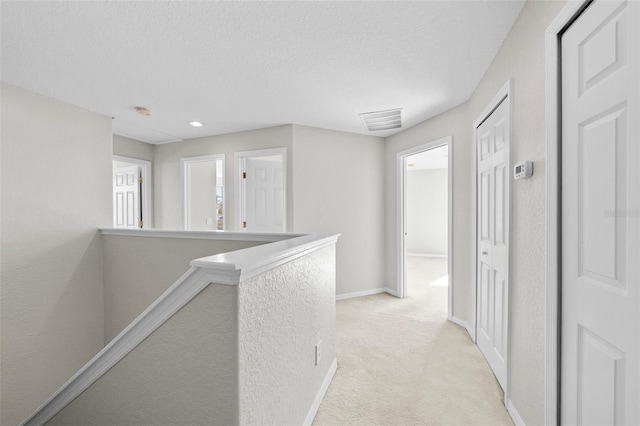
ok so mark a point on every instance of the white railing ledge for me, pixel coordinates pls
(202, 235)
(236, 266)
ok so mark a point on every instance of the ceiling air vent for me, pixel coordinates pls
(382, 120)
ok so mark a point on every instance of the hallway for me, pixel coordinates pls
(400, 362)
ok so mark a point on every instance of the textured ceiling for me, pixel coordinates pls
(244, 65)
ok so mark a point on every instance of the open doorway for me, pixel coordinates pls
(424, 225)
(203, 192)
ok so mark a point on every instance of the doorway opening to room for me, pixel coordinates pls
(425, 225)
(131, 181)
(203, 192)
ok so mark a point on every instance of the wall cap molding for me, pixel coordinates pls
(201, 235)
(234, 267)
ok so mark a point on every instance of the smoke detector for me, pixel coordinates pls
(382, 120)
(143, 111)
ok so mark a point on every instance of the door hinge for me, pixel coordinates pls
(140, 224)
(140, 179)
(244, 224)
(244, 175)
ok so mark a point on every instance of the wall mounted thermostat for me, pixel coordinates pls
(523, 170)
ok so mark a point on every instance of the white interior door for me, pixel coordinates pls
(263, 181)
(600, 375)
(126, 197)
(492, 138)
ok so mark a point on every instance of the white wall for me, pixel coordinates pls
(339, 181)
(427, 211)
(137, 270)
(168, 181)
(132, 148)
(521, 58)
(184, 373)
(56, 193)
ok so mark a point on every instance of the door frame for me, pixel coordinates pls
(553, 148)
(503, 95)
(184, 163)
(145, 203)
(400, 222)
(240, 190)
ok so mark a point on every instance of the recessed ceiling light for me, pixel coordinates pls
(196, 124)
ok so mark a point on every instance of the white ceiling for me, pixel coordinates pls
(245, 65)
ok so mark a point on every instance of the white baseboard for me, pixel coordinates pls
(391, 292)
(465, 325)
(321, 393)
(515, 416)
(437, 256)
(359, 293)
(387, 290)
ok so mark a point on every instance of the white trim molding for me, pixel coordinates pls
(353, 295)
(462, 323)
(236, 266)
(552, 214)
(311, 415)
(201, 235)
(401, 288)
(227, 269)
(515, 416)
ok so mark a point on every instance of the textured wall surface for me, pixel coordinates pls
(339, 183)
(56, 193)
(132, 148)
(137, 270)
(185, 373)
(168, 180)
(521, 58)
(427, 212)
(282, 315)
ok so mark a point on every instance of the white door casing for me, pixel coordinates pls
(492, 274)
(600, 228)
(401, 167)
(126, 197)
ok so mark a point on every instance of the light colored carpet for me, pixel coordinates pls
(400, 362)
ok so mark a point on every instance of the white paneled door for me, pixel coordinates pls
(492, 139)
(264, 194)
(600, 374)
(126, 197)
